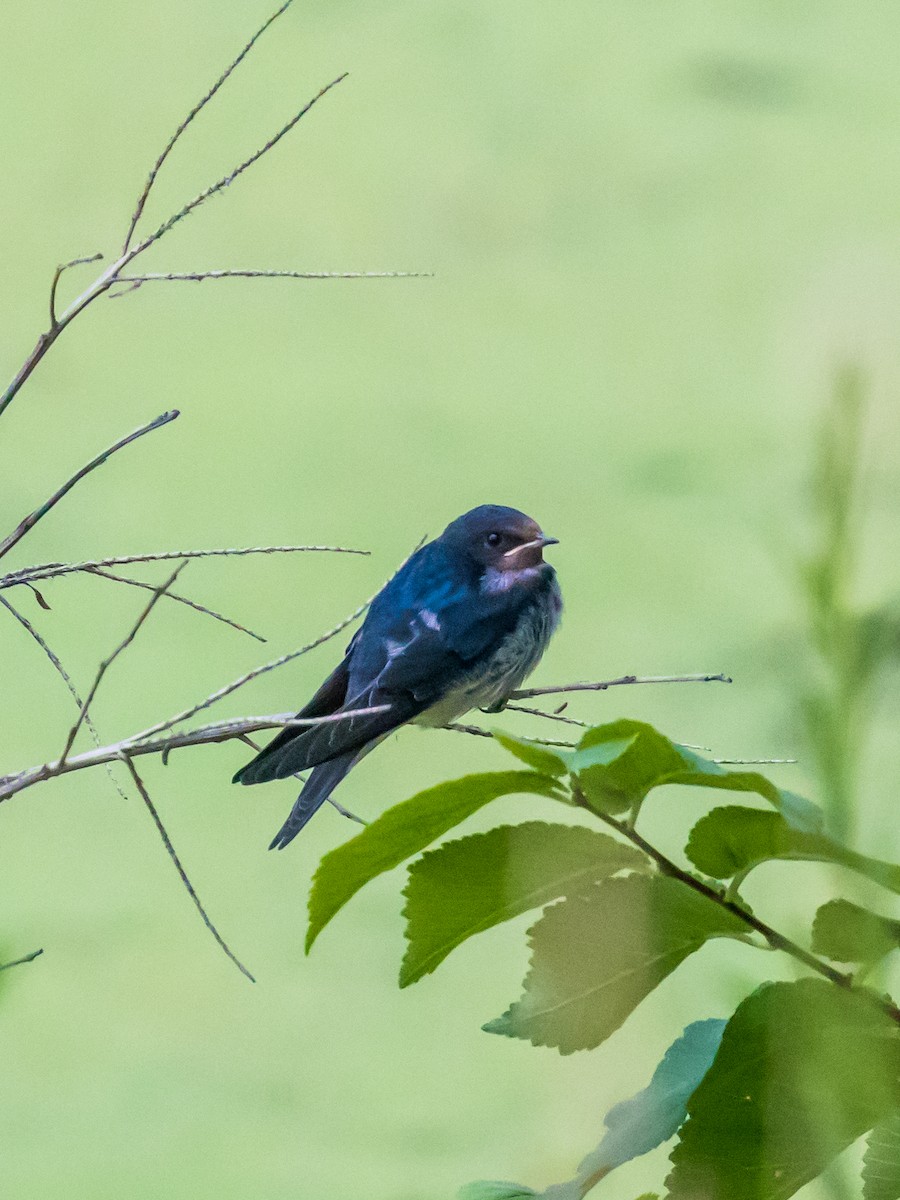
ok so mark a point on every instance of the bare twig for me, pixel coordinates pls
(17, 962)
(539, 712)
(29, 628)
(170, 849)
(52, 570)
(74, 262)
(239, 170)
(66, 678)
(158, 593)
(229, 70)
(139, 745)
(200, 608)
(137, 281)
(32, 519)
(529, 693)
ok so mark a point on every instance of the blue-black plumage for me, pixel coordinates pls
(459, 626)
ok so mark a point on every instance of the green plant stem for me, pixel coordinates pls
(778, 941)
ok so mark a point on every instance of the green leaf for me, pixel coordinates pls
(804, 1069)
(848, 933)
(467, 886)
(881, 1161)
(639, 1125)
(406, 829)
(550, 760)
(617, 764)
(635, 758)
(486, 1189)
(595, 959)
(732, 839)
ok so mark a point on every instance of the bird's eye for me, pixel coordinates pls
(494, 539)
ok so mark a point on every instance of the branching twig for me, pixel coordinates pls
(138, 745)
(200, 608)
(74, 262)
(158, 593)
(529, 693)
(32, 519)
(170, 849)
(53, 570)
(239, 170)
(170, 144)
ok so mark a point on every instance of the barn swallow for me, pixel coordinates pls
(459, 626)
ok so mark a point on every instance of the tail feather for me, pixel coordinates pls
(316, 791)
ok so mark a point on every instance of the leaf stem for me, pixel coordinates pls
(778, 941)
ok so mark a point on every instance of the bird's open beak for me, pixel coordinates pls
(537, 543)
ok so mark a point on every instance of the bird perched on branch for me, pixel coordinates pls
(459, 626)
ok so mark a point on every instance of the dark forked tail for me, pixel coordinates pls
(316, 791)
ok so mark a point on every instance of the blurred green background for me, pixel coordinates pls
(656, 231)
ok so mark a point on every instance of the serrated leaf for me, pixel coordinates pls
(881, 1161)
(848, 933)
(595, 959)
(550, 760)
(804, 1069)
(406, 829)
(467, 886)
(733, 839)
(648, 760)
(639, 1125)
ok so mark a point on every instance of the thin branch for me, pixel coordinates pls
(477, 731)
(66, 678)
(139, 744)
(30, 629)
(52, 570)
(158, 593)
(228, 179)
(170, 849)
(200, 608)
(137, 281)
(74, 262)
(17, 962)
(776, 940)
(539, 712)
(201, 104)
(32, 519)
(529, 693)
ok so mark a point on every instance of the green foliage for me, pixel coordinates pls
(595, 958)
(731, 840)
(551, 760)
(639, 1125)
(505, 872)
(803, 1070)
(616, 766)
(405, 830)
(848, 933)
(881, 1162)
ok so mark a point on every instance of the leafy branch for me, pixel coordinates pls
(619, 916)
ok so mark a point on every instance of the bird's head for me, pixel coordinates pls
(498, 539)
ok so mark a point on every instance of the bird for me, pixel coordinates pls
(460, 625)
